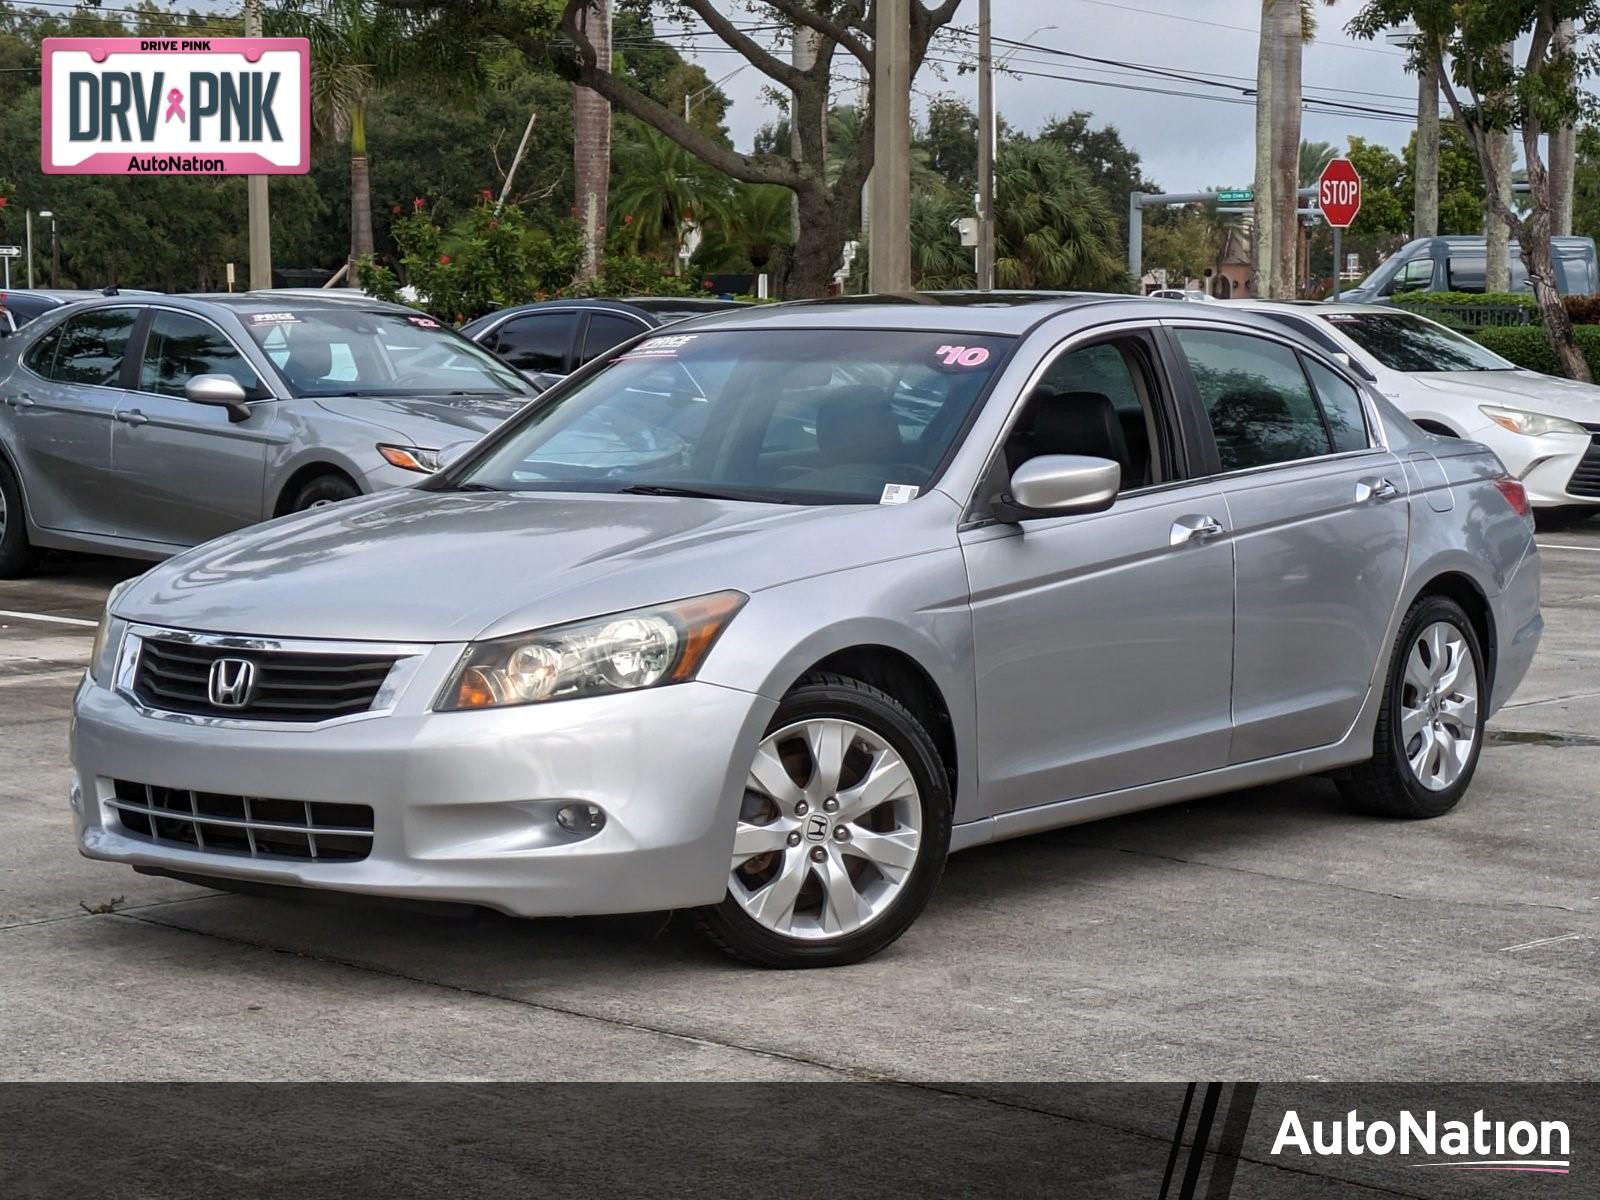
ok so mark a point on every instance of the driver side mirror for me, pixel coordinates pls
(222, 391)
(1054, 485)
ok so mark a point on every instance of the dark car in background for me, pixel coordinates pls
(553, 338)
(20, 306)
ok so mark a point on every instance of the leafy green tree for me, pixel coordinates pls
(1053, 227)
(1460, 180)
(1113, 167)
(1186, 246)
(1491, 91)
(659, 188)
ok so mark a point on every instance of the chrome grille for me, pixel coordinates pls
(251, 826)
(174, 676)
(1585, 479)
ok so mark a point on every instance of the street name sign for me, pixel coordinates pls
(1339, 193)
(1236, 196)
(176, 106)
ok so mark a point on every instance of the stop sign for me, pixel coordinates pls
(1339, 193)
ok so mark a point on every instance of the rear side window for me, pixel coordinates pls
(605, 331)
(1257, 398)
(93, 345)
(1341, 405)
(41, 356)
(537, 342)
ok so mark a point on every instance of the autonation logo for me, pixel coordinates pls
(1480, 1144)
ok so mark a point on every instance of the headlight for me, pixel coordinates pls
(648, 647)
(410, 458)
(1530, 424)
(108, 637)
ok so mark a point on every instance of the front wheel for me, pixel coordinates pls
(1430, 729)
(842, 834)
(323, 491)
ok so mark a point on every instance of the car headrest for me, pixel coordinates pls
(309, 360)
(1078, 423)
(857, 425)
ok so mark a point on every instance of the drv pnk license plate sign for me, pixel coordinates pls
(176, 106)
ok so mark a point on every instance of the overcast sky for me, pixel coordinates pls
(1186, 143)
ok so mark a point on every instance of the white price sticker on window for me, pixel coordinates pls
(898, 493)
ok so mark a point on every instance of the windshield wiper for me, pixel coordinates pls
(476, 487)
(668, 489)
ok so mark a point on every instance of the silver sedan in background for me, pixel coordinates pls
(767, 613)
(139, 425)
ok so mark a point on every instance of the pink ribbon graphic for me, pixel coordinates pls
(175, 105)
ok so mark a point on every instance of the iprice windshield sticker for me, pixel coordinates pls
(274, 318)
(660, 347)
(898, 493)
(963, 356)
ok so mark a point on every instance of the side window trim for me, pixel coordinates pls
(1373, 443)
(142, 333)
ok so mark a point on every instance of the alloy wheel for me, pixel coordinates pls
(1439, 706)
(829, 830)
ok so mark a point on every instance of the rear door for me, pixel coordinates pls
(63, 401)
(187, 472)
(1320, 530)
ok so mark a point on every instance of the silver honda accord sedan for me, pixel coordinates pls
(765, 615)
(141, 424)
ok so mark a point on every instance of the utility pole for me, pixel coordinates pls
(802, 56)
(256, 189)
(1427, 181)
(986, 129)
(1497, 235)
(27, 230)
(890, 237)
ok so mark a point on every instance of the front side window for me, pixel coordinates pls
(93, 345)
(359, 352)
(1095, 401)
(180, 346)
(1403, 342)
(537, 342)
(793, 416)
(1257, 397)
(1415, 276)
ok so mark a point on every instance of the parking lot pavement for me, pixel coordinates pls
(1266, 934)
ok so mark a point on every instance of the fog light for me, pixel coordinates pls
(582, 819)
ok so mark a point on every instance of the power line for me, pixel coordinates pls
(1156, 12)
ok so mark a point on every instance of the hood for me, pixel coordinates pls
(1526, 390)
(417, 566)
(432, 422)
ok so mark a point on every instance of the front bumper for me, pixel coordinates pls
(462, 803)
(1545, 465)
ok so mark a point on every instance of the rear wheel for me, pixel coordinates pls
(842, 834)
(323, 491)
(1430, 729)
(17, 556)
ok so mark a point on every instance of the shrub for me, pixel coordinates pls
(1527, 346)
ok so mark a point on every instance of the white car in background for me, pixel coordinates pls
(1545, 429)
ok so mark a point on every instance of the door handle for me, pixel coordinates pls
(1375, 490)
(1196, 527)
(132, 417)
(20, 401)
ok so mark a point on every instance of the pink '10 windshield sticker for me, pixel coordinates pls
(964, 356)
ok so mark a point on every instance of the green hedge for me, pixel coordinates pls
(1466, 299)
(1527, 346)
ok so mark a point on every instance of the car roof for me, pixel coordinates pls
(1313, 307)
(659, 304)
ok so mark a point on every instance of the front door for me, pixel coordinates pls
(1103, 641)
(1320, 529)
(63, 400)
(188, 472)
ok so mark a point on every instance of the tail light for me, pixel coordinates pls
(1516, 495)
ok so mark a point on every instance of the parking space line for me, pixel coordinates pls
(1549, 941)
(28, 616)
(1558, 546)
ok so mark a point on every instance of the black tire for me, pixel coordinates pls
(17, 556)
(1385, 785)
(324, 489)
(825, 695)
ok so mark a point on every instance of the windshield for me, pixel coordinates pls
(1402, 342)
(823, 416)
(358, 352)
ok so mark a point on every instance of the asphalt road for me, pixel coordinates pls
(1267, 934)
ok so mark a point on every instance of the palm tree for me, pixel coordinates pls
(1314, 159)
(660, 188)
(358, 48)
(747, 230)
(1053, 227)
